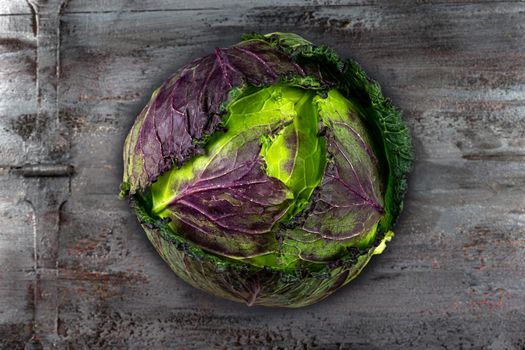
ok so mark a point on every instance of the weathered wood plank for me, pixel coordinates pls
(16, 265)
(37, 139)
(17, 116)
(96, 6)
(17, 88)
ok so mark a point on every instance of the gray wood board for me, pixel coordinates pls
(76, 271)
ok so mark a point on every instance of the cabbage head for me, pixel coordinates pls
(268, 172)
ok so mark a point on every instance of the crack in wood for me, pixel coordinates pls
(43, 170)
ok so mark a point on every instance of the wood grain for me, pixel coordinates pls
(453, 277)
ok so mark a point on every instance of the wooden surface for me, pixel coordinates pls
(76, 271)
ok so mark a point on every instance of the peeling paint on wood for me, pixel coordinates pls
(76, 271)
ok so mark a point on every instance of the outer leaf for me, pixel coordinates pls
(231, 206)
(246, 283)
(349, 202)
(311, 247)
(390, 132)
(188, 106)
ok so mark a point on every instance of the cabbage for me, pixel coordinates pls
(268, 172)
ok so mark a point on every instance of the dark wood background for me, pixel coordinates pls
(76, 271)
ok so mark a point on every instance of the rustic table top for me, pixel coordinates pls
(76, 271)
